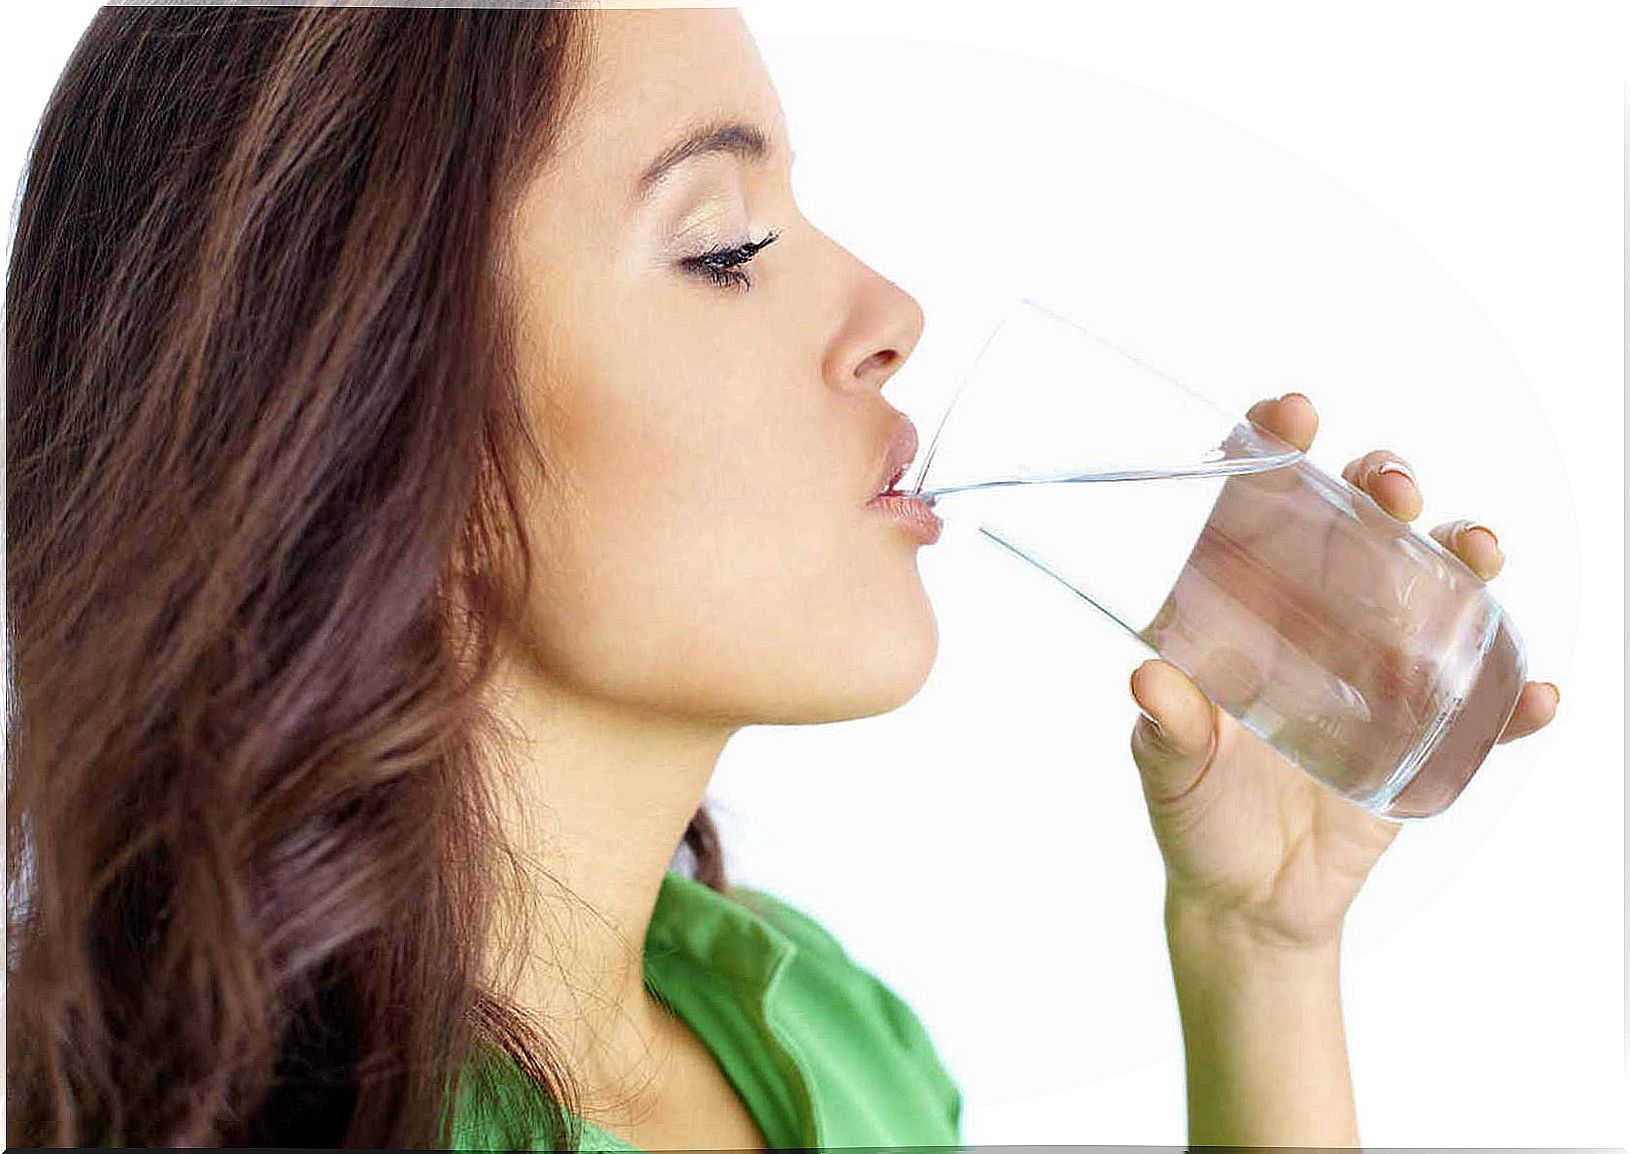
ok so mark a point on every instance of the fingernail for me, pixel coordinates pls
(1554, 689)
(1468, 526)
(1397, 467)
(1288, 396)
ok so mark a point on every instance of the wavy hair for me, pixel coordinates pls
(267, 454)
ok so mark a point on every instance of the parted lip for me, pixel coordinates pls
(897, 456)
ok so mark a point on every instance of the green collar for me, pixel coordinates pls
(716, 961)
(728, 935)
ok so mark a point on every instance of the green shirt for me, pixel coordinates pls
(821, 1051)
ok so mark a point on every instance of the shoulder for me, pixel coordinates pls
(845, 1004)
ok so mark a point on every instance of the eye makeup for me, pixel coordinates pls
(706, 242)
(722, 266)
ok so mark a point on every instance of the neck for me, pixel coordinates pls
(594, 798)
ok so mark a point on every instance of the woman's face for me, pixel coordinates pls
(703, 545)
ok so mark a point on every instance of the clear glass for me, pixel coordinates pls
(1364, 652)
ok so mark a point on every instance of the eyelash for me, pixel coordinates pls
(720, 265)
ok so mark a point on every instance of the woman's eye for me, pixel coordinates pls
(723, 266)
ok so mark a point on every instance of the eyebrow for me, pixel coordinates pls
(747, 141)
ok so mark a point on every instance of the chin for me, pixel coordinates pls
(885, 665)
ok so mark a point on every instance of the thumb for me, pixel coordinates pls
(1174, 740)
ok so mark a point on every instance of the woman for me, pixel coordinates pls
(391, 393)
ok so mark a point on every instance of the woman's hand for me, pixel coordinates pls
(1249, 840)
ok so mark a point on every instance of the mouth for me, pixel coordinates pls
(896, 458)
(892, 489)
(910, 512)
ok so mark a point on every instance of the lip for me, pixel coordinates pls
(910, 513)
(897, 456)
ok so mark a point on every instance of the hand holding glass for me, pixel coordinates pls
(1365, 653)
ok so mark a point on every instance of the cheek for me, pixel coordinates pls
(701, 549)
(667, 551)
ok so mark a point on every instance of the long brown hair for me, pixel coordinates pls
(266, 457)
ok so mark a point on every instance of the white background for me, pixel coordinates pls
(1414, 214)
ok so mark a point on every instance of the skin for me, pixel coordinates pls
(706, 559)
(706, 562)
(1262, 864)
(1242, 828)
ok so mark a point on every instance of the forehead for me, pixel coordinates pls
(653, 74)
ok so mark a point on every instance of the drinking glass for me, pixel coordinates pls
(1367, 654)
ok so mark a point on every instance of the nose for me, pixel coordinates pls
(881, 324)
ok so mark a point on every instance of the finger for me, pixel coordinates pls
(1387, 477)
(1174, 740)
(1474, 543)
(1290, 418)
(1536, 706)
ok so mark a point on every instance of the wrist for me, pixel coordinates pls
(1264, 1047)
(1195, 928)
